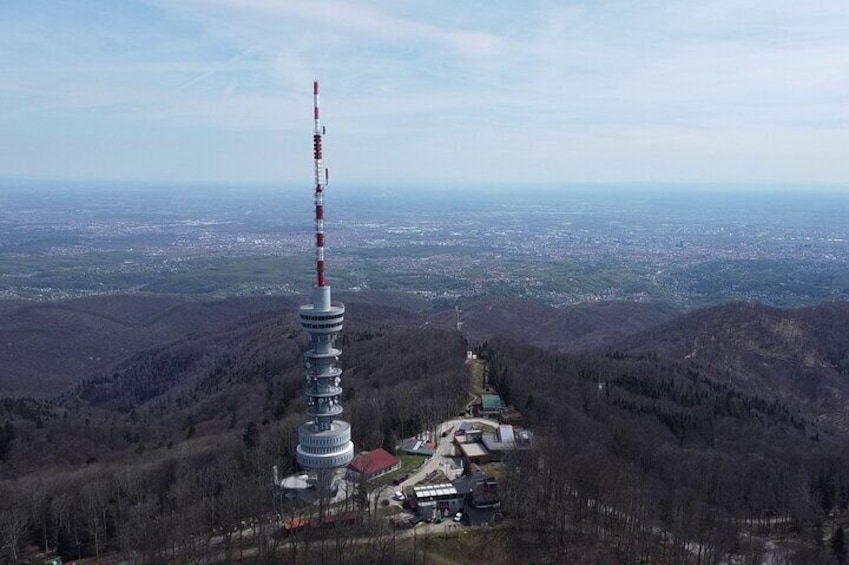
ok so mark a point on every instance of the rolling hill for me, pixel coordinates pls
(700, 423)
(571, 328)
(800, 356)
(45, 348)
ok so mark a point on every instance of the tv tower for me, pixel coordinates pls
(324, 443)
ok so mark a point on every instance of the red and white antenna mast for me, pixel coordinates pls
(320, 182)
(324, 442)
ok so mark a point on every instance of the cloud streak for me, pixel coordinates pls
(491, 91)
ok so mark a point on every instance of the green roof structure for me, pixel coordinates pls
(491, 403)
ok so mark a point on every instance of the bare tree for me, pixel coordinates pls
(13, 525)
(95, 496)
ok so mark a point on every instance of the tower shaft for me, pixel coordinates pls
(324, 443)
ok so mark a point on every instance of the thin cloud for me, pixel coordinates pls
(542, 90)
(380, 25)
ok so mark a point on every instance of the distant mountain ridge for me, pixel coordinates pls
(798, 355)
(571, 328)
(47, 347)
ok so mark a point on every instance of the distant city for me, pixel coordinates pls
(687, 247)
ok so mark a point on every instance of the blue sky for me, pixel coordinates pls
(440, 92)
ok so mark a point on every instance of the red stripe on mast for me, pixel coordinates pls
(320, 181)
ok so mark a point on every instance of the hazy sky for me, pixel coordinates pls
(426, 92)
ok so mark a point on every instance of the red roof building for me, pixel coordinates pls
(373, 464)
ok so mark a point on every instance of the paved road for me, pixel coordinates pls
(443, 448)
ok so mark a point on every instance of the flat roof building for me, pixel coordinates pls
(473, 454)
(437, 499)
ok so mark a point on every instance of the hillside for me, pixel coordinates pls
(213, 382)
(180, 439)
(48, 347)
(571, 328)
(670, 446)
(701, 425)
(800, 356)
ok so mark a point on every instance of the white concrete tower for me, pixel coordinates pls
(324, 443)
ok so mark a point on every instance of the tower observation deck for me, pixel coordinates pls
(324, 443)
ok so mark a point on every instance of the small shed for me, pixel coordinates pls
(505, 434)
(491, 405)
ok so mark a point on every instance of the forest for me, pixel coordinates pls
(179, 442)
(633, 445)
(641, 453)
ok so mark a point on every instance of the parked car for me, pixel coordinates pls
(458, 517)
(398, 495)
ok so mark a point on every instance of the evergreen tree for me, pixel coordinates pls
(250, 435)
(7, 435)
(838, 545)
(389, 441)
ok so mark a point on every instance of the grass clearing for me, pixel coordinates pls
(466, 545)
(476, 371)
